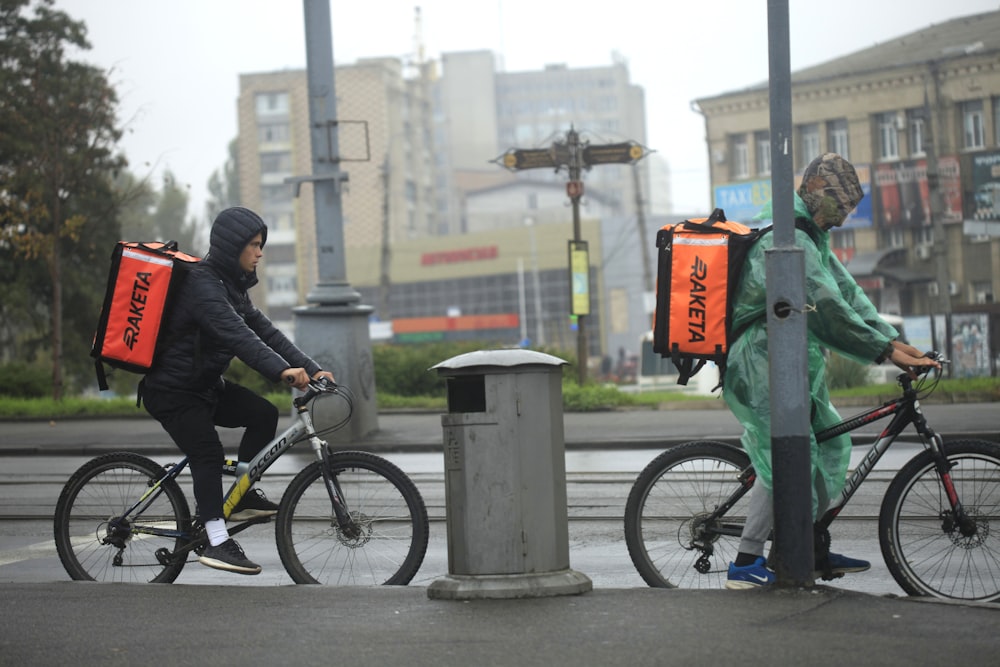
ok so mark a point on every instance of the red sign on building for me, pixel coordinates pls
(461, 255)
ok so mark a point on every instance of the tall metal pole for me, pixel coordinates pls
(786, 328)
(326, 177)
(333, 326)
(575, 166)
(933, 124)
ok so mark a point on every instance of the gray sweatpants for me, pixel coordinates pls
(760, 518)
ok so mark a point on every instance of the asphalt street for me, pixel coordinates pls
(229, 623)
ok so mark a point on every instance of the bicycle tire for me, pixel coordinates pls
(664, 507)
(380, 497)
(100, 491)
(925, 555)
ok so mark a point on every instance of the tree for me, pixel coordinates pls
(224, 186)
(57, 162)
(169, 215)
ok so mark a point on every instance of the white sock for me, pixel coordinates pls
(217, 531)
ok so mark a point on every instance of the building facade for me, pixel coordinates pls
(919, 116)
(417, 150)
(385, 146)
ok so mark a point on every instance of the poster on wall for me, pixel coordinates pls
(986, 186)
(902, 196)
(970, 347)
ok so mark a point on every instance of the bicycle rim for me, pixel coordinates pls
(384, 504)
(925, 552)
(664, 515)
(96, 543)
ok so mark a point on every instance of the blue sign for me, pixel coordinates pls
(742, 201)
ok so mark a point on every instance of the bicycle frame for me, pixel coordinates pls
(904, 410)
(247, 474)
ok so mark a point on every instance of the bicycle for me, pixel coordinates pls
(685, 513)
(347, 518)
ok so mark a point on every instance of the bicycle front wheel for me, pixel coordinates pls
(99, 539)
(670, 538)
(388, 537)
(925, 549)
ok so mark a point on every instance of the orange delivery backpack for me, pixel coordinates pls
(142, 285)
(698, 268)
(699, 263)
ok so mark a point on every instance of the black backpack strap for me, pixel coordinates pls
(686, 367)
(102, 378)
(718, 215)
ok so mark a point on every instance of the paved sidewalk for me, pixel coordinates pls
(230, 624)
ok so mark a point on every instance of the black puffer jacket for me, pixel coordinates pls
(213, 319)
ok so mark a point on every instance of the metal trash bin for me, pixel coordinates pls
(505, 478)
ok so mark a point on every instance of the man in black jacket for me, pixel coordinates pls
(212, 321)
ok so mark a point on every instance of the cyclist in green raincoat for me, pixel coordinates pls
(840, 318)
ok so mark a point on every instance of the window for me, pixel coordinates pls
(923, 236)
(275, 163)
(888, 136)
(916, 129)
(275, 193)
(842, 238)
(894, 238)
(982, 291)
(272, 104)
(973, 131)
(837, 139)
(762, 140)
(272, 133)
(808, 143)
(740, 157)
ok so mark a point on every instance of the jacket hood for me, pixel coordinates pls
(232, 230)
(830, 186)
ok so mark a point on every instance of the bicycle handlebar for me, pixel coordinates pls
(316, 387)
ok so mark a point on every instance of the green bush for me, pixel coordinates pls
(844, 373)
(21, 380)
(592, 397)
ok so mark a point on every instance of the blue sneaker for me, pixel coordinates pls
(749, 576)
(840, 564)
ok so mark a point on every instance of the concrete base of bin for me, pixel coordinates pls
(509, 586)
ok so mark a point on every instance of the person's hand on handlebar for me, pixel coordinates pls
(295, 377)
(909, 359)
(325, 375)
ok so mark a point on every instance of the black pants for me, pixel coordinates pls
(190, 420)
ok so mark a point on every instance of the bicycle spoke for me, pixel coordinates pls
(387, 537)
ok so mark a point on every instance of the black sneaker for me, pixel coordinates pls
(252, 505)
(228, 556)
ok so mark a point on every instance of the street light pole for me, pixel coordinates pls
(575, 167)
(333, 326)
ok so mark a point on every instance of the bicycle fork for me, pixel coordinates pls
(957, 518)
(348, 527)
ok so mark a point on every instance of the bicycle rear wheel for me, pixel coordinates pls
(388, 512)
(96, 541)
(670, 540)
(924, 549)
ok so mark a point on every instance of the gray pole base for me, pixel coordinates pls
(336, 337)
(509, 586)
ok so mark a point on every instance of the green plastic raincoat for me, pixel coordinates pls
(840, 317)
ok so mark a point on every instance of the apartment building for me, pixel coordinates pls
(417, 148)
(919, 116)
